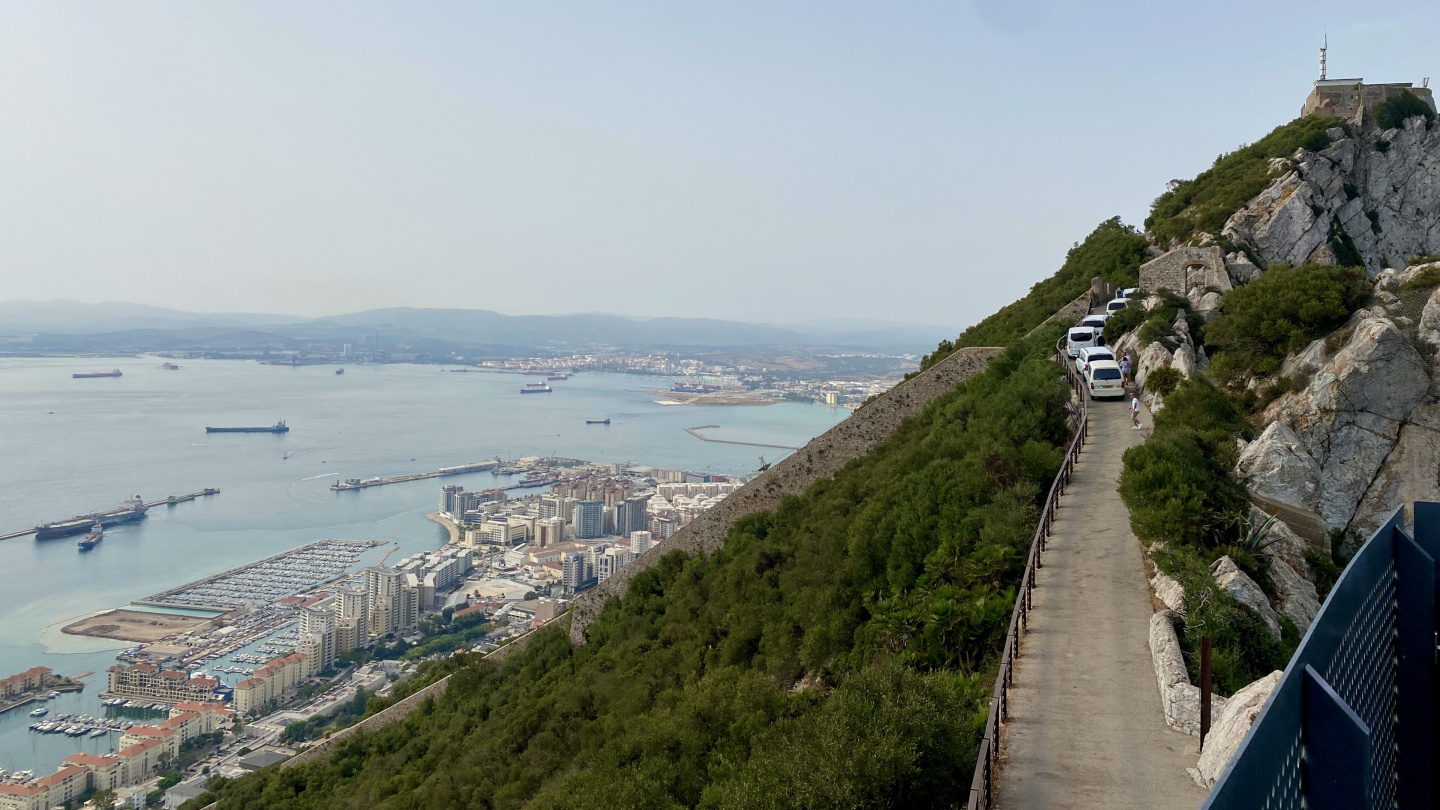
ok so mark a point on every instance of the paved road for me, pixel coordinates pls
(1086, 728)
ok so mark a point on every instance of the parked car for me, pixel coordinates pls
(1103, 379)
(1116, 305)
(1095, 353)
(1081, 337)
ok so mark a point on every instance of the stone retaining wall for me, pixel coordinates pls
(821, 458)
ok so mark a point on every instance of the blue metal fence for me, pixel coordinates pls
(1352, 722)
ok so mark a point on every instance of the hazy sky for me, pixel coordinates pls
(769, 161)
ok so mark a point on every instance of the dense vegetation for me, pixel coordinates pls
(1180, 494)
(1279, 313)
(1113, 251)
(838, 652)
(1191, 207)
(1394, 112)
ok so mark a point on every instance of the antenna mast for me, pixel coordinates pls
(1322, 56)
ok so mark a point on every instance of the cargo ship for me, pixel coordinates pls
(536, 388)
(559, 377)
(130, 510)
(604, 421)
(91, 540)
(89, 375)
(278, 427)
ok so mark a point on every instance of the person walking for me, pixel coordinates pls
(1134, 413)
(1125, 370)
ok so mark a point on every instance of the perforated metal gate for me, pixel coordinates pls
(1352, 722)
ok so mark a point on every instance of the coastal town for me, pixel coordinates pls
(293, 639)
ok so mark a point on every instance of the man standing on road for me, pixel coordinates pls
(1134, 413)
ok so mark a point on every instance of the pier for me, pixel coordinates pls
(695, 431)
(363, 483)
(173, 499)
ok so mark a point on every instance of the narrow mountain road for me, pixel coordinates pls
(1086, 728)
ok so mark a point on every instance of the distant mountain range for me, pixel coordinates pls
(138, 326)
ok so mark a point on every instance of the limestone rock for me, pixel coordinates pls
(1299, 601)
(1170, 591)
(1388, 281)
(1154, 356)
(1234, 723)
(1285, 544)
(1180, 698)
(1349, 417)
(1239, 585)
(1430, 319)
(1209, 305)
(1409, 472)
(1277, 466)
(1349, 182)
(1241, 269)
(1306, 362)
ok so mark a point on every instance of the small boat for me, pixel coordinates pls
(169, 367)
(536, 388)
(100, 732)
(339, 371)
(40, 712)
(91, 540)
(604, 421)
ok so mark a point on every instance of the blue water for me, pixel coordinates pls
(73, 446)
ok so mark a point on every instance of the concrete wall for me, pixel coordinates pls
(821, 458)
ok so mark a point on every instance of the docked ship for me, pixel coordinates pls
(559, 377)
(91, 540)
(129, 511)
(536, 388)
(87, 375)
(278, 427)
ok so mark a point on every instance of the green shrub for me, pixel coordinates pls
(1163, 380)
(1177, 484)
(1423, 258)
(1204, 203)
(1382, 146)
(1393, 112)
(1123, 321)
(1241, 647)
(1428, 277)
(1113, 251)
(1280, 313)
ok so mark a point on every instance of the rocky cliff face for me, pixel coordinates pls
(1382, 188)
(1364, 434)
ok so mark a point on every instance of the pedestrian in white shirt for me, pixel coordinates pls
(1134, 413)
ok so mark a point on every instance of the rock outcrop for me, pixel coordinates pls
(1170, 591)
(1330, 448)
(1298, 599)
(1227, 732)
(1387, 202)
(1239, 585)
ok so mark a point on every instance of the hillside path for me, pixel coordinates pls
(1086, 728)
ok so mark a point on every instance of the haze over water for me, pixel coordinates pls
(76, 446)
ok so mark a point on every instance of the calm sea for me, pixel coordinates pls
(72, 446)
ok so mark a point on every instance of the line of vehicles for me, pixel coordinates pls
(1094, 361)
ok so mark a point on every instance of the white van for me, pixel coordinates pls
(1116, 305)
(1081, 337)
(1097, 320)
(1086, 355)
(1102, 377)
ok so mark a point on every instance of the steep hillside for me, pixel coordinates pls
(837, 652)
(1113, 252)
